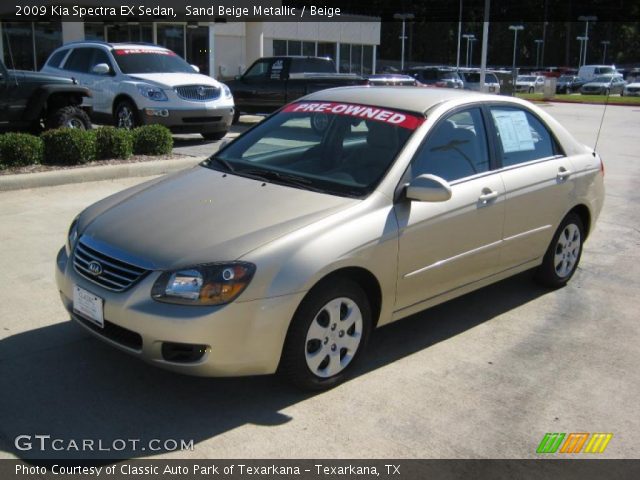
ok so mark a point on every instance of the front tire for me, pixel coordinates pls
(213, 135)
(563, 255)
(125, 115)
(68, 117)
(327, 336)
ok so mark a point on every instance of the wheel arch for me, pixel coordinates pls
(585, 215)
(365, 279)
(122, 97)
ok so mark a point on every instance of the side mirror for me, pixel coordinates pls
(101, 69)
(428, 188)
(196, 68)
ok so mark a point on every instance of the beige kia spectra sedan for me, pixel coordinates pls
(344, 211)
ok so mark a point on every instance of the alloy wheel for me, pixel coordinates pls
(567, 250)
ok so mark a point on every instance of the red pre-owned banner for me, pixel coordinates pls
(365, 112)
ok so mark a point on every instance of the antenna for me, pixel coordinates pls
(606, 103)
(13, 65)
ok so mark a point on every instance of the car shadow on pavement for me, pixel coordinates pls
(57, 381)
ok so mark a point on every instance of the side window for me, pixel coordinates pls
(521, 136)
(56, 58)
(100, 56)
(455, 148)
(79, 60)
(259, 69)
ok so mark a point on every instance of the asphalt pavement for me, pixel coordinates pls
(486, 375)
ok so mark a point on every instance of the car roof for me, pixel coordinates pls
(411, 99)
(124, 45)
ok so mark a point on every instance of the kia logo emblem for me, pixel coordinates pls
(95, 268)
(201, 91)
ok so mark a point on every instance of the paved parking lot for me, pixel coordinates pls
(486, 375)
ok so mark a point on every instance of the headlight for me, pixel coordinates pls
(72, 236)
(212, 284)
(152, 93)
(227, 91)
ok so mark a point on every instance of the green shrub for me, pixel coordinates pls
(19, 149)
(68, 146)
(113, 143)
(152, 140)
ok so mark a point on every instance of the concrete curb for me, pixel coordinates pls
(93, 174)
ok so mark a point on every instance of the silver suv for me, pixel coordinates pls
(134, 84)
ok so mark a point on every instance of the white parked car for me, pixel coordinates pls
(135, 84)
(530, 83)
(631, 90)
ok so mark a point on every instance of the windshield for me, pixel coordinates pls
(148, 60)
(526, 79)
(336, 148)
(602, 79)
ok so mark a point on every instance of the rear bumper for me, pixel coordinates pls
(200, 120)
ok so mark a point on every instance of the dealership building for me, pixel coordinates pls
(223, 50)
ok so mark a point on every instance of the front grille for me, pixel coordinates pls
(115, 333)
(115, 274)
(198, 92)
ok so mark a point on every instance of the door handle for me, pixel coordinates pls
(563, 174)
(487, 196)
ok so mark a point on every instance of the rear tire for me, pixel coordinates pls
(563, 255)
(68, 117)
(327, 336)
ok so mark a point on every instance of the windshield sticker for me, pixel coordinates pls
(515, 133)
(364, 112)
(133, 51)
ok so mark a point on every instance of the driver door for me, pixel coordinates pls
(446, 245)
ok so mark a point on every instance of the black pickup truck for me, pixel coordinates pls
(34, 100)
(271, 82)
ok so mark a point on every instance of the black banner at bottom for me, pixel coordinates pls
(584, 469)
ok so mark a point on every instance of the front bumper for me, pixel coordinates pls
(241, 338)
(191, 120)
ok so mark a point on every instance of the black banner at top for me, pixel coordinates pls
(420, 11)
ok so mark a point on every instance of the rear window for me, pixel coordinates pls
(56, 58)
(311, 65)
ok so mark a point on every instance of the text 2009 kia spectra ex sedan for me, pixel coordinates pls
(346, 210)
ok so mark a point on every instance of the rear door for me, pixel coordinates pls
(537, 179)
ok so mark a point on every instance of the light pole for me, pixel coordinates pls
(516, 29)
(582, 40)
(586, 19)
(468, 37)
(459, 39)
(538, 45)
(604, 44)
(404, 17)
(471, 51)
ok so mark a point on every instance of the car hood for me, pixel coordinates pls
(170, 80)
(39, 77)
(202, 215)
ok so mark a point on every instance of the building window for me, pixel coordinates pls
(94, 31)
(309, 49)
(27, 45)
(48, 37)
(279, 47)
(356, 59)
(327, 49)
(198, 47)
(294, 47)
(172, 37)
(130, 32)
